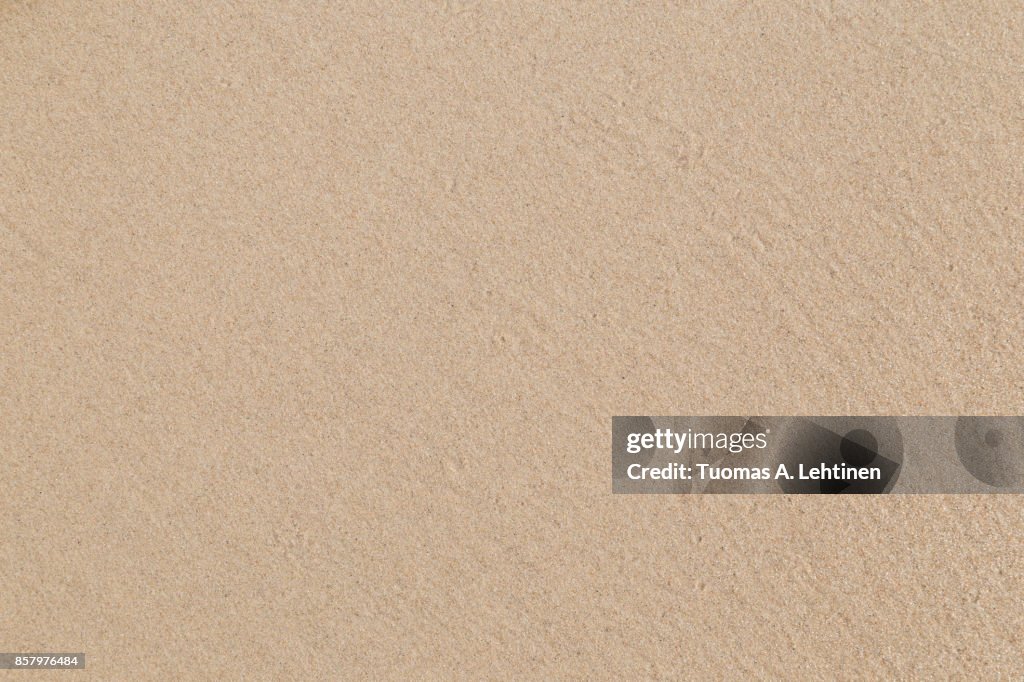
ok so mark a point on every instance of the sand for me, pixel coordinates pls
(314, 316)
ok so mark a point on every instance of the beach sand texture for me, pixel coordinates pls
(314, 316)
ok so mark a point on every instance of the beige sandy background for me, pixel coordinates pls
(313, 317)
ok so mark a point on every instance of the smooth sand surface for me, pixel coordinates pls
(314, 316)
